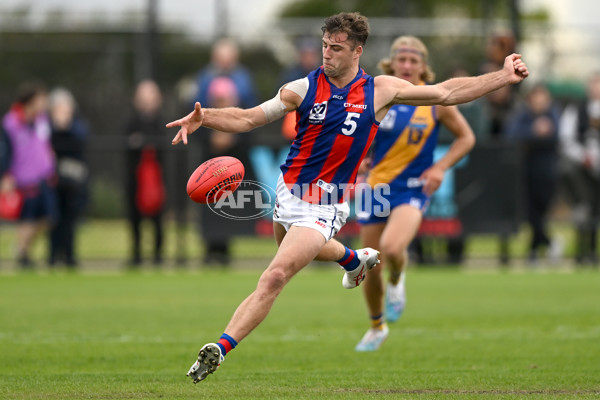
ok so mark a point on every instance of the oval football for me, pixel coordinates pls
(214, 178)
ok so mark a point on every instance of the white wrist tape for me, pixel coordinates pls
(274, 108)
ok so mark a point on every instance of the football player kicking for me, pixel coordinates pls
(339, 108)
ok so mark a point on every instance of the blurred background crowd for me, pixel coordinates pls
(84, 99)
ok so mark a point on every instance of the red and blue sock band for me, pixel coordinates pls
(350, 259)
(226, 343)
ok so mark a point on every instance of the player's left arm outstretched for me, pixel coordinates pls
(456, 123)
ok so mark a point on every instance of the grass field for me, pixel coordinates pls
(465, 334)
(109, 240)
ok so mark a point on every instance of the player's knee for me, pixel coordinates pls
(273, 280)
(394, 250)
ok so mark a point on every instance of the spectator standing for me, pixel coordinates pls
(5, 153)
(580, 148)
(10, 199)
(535, 128)
(225, 62)
(216, 230)
(223, 83)
(500, 101)
(144, 185)
(69, 138)
(475, 112)
(308, 58)
(31, 167)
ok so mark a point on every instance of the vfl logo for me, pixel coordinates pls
(317, 113)
(388, 122)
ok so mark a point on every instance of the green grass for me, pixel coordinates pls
(464, 335)
(110, 240)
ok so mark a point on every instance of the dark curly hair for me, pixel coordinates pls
(355, 25)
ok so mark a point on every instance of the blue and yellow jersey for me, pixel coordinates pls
(404, 146)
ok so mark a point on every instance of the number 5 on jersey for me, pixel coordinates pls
(350, 123)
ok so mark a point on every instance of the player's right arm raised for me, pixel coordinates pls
(235, 120)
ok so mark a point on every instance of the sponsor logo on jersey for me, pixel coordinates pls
(414, 182)
(317, 113)
(418, 122)
(358, 108)
(338, 97)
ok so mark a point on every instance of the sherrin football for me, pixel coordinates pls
(215, 178)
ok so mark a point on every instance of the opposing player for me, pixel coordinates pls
(403, 160)
(338, 107)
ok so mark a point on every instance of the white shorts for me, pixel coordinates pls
(289, 211)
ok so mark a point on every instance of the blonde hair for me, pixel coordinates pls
(60, 95)
(414, 43)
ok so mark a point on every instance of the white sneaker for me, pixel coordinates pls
(395, 300)
(209, 359)
(368, 259)
(373, 339)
